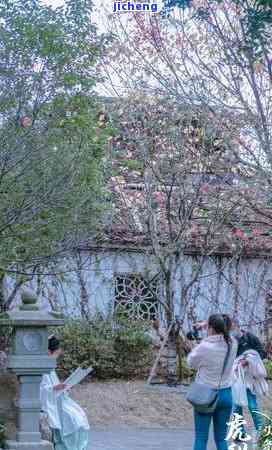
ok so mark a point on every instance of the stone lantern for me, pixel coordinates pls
(29, 360)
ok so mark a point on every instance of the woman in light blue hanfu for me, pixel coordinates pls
(66, 418)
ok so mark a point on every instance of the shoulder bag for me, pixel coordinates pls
(204, 398)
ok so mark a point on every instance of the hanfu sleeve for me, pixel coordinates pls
(49, 402)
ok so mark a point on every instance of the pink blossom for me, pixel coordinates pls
(259, 67)
(205, 187)
(159, 196)
(240, 233)
(199, 3)
(256, 232)
(179, 40)
(194, 230)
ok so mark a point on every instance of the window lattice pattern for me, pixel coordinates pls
(137, 297)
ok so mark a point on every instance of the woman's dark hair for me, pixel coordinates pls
(53, 343)
(228, 321)
(218, 323)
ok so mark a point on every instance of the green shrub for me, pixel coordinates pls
(3, 435)
(184, 372)
(115, 351)
(265, 436)
(268, 366)
(5, 337)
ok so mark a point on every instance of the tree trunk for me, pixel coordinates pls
(2, 293)
(6, 300)
(172, 360)
(84, 297)
(12, 295)
(171, 344)
(155, 365)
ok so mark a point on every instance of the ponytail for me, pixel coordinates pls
(227, 337)
(228, 326)
(221, 324)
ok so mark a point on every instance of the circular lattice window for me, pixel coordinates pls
(136, 297)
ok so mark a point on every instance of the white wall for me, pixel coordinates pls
(240, 286)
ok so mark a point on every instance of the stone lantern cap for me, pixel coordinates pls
(29, 314)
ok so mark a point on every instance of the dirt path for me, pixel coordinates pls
(134, 404)
(138, 405)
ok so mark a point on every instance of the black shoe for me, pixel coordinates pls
(172, 384)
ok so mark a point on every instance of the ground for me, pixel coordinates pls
(134, 416)
(134, 404)
(142, 439)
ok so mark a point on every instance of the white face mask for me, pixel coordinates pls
(203, 333)
(235, 334)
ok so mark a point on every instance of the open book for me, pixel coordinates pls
(76, 377)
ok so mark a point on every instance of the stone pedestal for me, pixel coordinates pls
(29, 370)
(28, 409)
(42, 445)
(29, 360)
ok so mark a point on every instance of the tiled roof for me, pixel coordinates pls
(249, 235)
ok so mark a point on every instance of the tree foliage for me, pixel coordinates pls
(256, 16)
(209, 63)
(176, 200)
(52, 136)
(209, 66)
